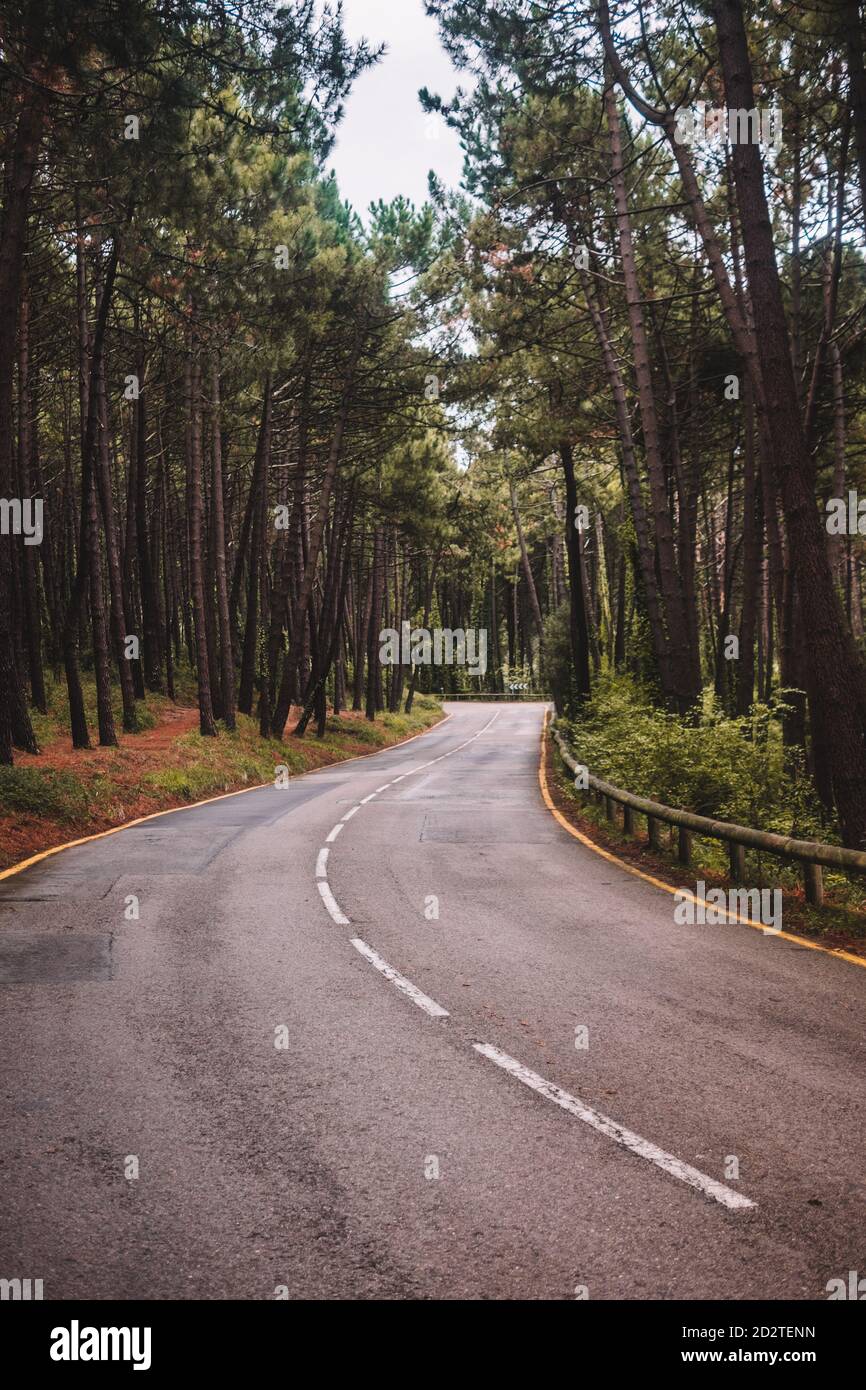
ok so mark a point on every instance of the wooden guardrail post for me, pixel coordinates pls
(685, 845)
(608, 808)
(813, 877)
(653, 826)
(628, 820)
(737, 858)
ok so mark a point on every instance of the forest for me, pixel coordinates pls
(603, 403)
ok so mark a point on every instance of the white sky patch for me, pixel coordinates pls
(386, 143)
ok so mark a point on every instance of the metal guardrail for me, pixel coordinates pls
(536, 696)
(811, 853)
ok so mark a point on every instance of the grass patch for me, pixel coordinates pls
(35, 792)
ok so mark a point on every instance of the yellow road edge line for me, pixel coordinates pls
(667, 887)
(191, 806)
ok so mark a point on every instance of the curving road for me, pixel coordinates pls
(342, 1047)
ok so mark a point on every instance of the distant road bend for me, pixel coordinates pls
(391, 1032)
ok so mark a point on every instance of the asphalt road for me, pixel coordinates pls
(300, 1120)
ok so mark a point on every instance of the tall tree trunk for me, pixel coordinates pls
(834, 681)
(362, 618)
(30, 576)
(853, 24)
(152, 643)
(88, 402)
(289, 559)
(577, 626)
(373, 626)
(259, 492)
(745, 682)
(494, 629)
(331, 615)
(685, 665)
(19, 171)
(836, 544)
(723, 669)
(227, 665)
(112, 550)
(101, 659)
(527, 570)
(645, 556)
(192, 392)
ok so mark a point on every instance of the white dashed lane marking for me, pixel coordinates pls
(405, 986)
(332, 905)
(611, 1130)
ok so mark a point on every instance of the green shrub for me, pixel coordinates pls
(358, 729)
(39, 792)
(715, 765)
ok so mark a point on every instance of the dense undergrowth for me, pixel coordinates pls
(715, 765)
(735, 769)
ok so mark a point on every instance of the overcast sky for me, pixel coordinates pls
(386, 144)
